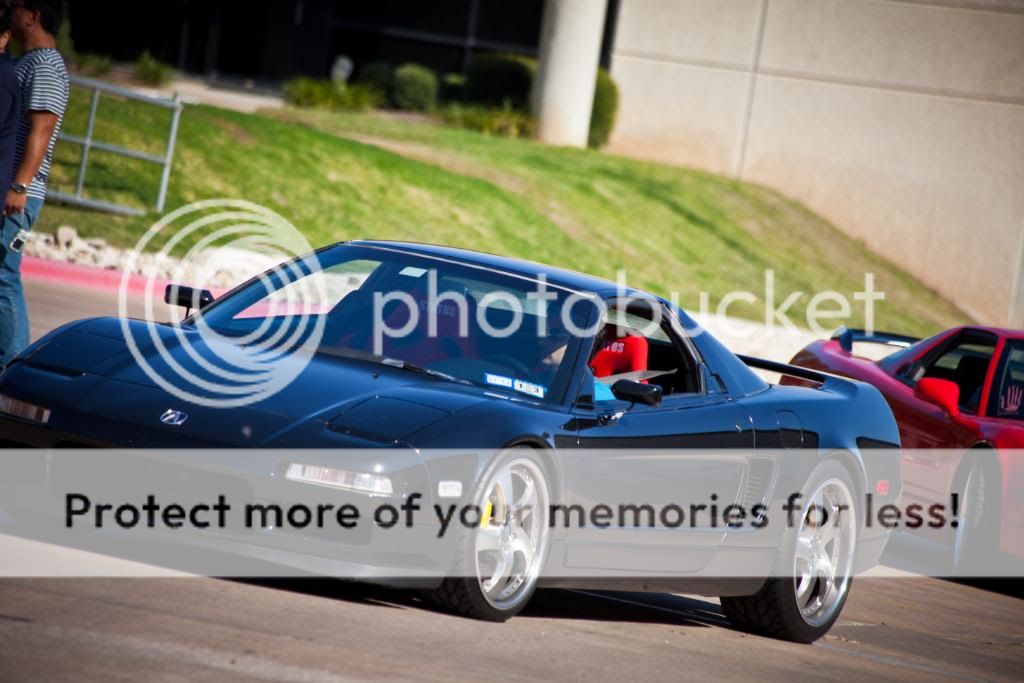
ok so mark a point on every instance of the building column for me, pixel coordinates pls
(563, 89)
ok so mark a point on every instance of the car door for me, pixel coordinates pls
(641, 460)
(933, 439)
(1003, 425)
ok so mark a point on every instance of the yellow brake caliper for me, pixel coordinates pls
(485, 517)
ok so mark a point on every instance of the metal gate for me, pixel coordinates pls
(97, 89)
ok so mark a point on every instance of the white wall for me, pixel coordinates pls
(902, 121)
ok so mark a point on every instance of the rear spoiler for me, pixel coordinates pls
(846, 337)
(828, 381)
(785, 369)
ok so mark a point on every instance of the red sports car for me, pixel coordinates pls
(956, 392)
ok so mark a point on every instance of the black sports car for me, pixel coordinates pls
(552, 386)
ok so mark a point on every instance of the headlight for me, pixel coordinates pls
(342, 479)
(24, 410)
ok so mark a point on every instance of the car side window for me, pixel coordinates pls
(637, 344)
(963, 361)
(1007, 394)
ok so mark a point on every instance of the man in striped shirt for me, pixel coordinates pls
(43, 81)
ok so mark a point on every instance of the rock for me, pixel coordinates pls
(108, 260)
(66, 235)
(218, 268)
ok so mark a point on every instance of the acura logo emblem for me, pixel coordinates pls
(173, 417)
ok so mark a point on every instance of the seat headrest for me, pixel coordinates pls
(620, 355)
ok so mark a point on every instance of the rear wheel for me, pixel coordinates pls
(813, 577)
(498, 563)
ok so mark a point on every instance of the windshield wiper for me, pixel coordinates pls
(419, 369)
(370, 357)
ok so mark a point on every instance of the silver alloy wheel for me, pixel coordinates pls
(972, 505)
(825, 545)
(511, 542)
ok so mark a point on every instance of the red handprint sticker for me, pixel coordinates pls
(1010, 402)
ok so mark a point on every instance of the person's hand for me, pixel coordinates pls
(15, 203)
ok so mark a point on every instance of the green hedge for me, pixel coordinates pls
(494, 79)
(506, 122)
(378, 75)
(325, 94)
(606, 107)
(414, 88)
(151, 71)
(453, 88)
(499, 80)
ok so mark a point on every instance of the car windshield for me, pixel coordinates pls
(458, 321)
(1007, 396)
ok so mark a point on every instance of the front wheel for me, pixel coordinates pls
(813, 578)
(498, 563)
(975, 545)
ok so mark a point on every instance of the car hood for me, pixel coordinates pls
(324, 396)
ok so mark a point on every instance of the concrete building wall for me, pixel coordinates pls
(902, 121)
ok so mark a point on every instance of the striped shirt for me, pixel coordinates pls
(43, 80)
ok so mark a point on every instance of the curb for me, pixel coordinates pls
(76, 275)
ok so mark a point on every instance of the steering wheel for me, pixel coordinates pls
(515, 364)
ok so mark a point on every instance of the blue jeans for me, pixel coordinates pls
(14, 333)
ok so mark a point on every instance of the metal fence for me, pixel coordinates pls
(97, 88)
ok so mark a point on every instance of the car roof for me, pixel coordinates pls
(557, 276)
(998, 331)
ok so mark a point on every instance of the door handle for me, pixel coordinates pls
(606, 419)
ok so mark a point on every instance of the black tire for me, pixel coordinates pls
(462, 590)
(774, 610)
(974, 547)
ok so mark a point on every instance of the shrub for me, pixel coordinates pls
(497, 79)
(377, 75)
(360, 97)
(94, 65)
(453, 88)
(494, 79)
(309, 92)
(414, 88)
(325, 94)
(505, 122)
(151, 71)
(606, 106)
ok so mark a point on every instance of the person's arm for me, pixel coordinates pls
(42, 124)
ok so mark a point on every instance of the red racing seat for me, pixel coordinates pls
(624, 354)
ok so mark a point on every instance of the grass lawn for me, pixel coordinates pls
(344, 176)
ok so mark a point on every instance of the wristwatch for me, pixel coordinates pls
(19, 188)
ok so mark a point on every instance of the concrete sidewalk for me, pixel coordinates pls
(195, 90)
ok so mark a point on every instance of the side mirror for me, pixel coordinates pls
(940, 392)
(637, 392)
(187, 297)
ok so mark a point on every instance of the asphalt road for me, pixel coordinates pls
(52, 304)
(202, 629)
